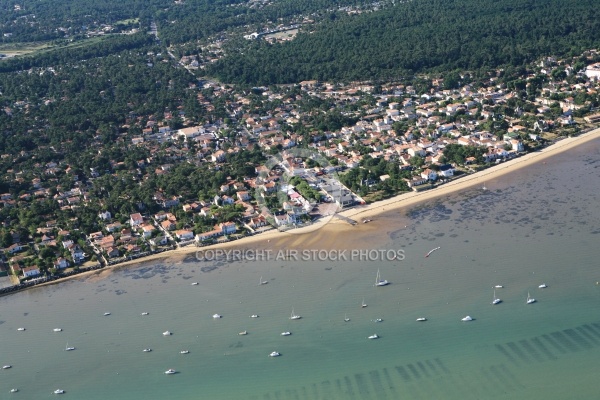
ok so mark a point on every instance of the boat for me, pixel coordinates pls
(217, 316)
(431, 251)
(57, 329)
(496, 300)
(242, 333)
(498, 287)
(145, 313)
(167, 333)
(67, 348)
(15, 390)
(421, 319)
(274, 354)
(374, 336)
(286, 333)
(294, 316)
(365, 221)
(7, 367)
(59, 391)
(543, 286)
(261, 282)
(184, 352)
(363, 305)
(467, 318)
(346, 319)
(379, 281)
(530, 300)
(484, 188)
(170, 371)
(106, 313)
(21, 329)
(194, 283)
(147, 350)
(254, 316)
(378, 320)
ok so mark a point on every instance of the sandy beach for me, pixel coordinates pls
(326, 235)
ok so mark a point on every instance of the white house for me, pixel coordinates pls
(136, 219)
(429, 174)
(228, 228)
(184, 234)
(446, 170)
(31, 271)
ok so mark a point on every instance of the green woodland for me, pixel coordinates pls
(419, 36)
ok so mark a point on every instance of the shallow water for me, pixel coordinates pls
(540, 225)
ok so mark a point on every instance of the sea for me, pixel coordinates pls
(538, 225)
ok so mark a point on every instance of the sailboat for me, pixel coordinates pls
(346, 319)
(379, 281)
(484, 188)
(363, 305)
(294, 316)
(261, 282)
(530, 299)
(67, 348)
(496, 300)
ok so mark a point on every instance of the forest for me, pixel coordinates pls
(418, 36)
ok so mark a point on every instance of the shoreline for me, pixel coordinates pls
(338, 225)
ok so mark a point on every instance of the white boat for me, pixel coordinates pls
(184, 352)
(170, 371)
(106, 313)
(374, 336)
(254, 316)
(242, 333)
(378, 320)
(467, 318)
(261, 282)
(167, 333)
(294, 316)
(346, 319)
(498, 286)
(286, 333)
(59, 391)
(421, 319)
(21, 329)
(145, 313)
(67, 348)
(7, 367)
(194, 283)
(57, 329)
(15, 390)
(363, 304)
(543, 286)
(496, 300)
(274, 354)
(147, 350)
(217, 316)
(379, 281)
(530, 300)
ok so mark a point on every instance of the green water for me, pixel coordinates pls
(540, 226)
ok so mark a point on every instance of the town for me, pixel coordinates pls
(360, 142)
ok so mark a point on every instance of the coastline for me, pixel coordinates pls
(339, 225)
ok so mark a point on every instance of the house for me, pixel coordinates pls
(136, 219)
(446, 170)
(208, 235)
(415, 181)
(158, 241)
(227, 227)
(283, 219)
(429, 174)
(105, 216)
(112, 252)
(257, 222)
(184, 234)
(61, 263)
(14, 248)
(227, 200)
(243, 195)
(168, 225)
(30, 271)
(147, 230)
